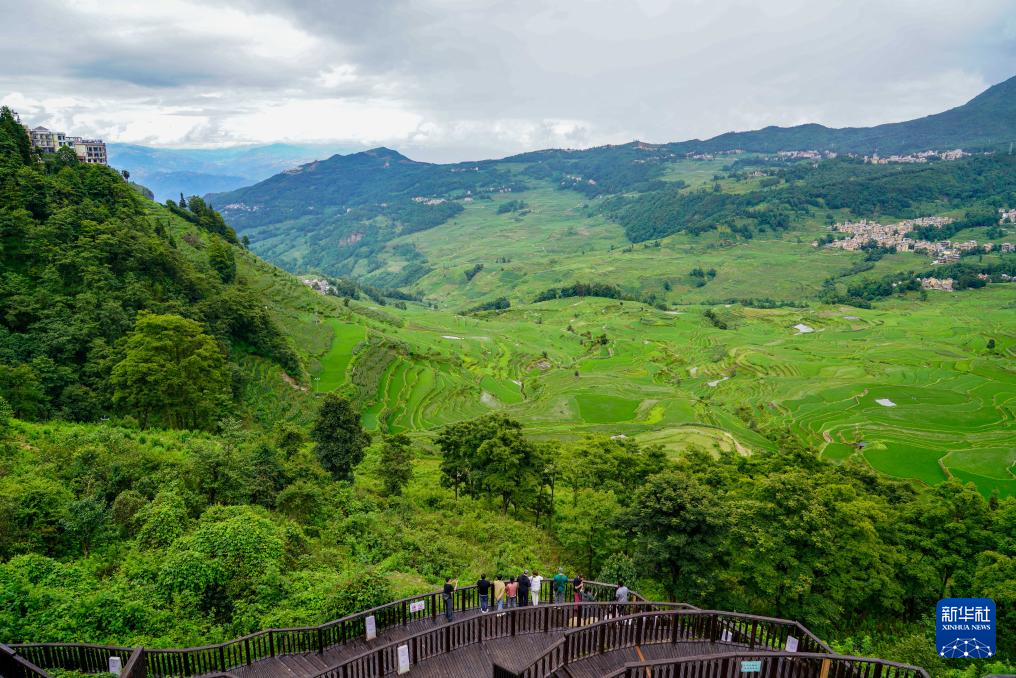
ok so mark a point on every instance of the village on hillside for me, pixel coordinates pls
(864, 233)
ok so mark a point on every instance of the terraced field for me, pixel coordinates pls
(909, 387)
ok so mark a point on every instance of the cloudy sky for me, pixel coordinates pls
(465, 79)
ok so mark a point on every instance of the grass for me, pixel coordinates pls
(672, 377)
(345, 338)
(678, 381)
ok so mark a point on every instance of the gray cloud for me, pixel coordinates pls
(457, 79)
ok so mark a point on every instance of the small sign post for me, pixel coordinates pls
(403, 659)
(115, 665)
(371, 627)
(791, 644)
(754, 666)
(726, 636)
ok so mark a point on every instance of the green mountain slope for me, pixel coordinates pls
(343, 216)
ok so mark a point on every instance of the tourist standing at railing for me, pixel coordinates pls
(578, 587)
(449, 596)
(499, 589)
(560, 584)
(483, 588)
(524, 588)
(511, 591)
(534, 587)
(621, 596)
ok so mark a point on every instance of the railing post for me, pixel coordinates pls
(514, 614)
(320, 641)
(405, 614)
(222, 659)
(271, 643)
(246, 649)
(433, 606)
(81, 660)
(186, 664)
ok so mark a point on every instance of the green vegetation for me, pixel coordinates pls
(660, 379)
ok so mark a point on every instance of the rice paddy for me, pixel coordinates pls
(676, 380)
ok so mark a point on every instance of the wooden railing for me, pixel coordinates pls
(591, 628)
(223, 657)
(79, 657)
(14, 666)
(770, 665)
(668, 626)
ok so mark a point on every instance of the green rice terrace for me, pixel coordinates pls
(909, 386)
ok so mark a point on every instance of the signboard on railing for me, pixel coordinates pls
(751, 666)
(403, 659)
(791, 644)
(418, 606)
(371, 627)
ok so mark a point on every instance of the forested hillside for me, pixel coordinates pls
(96, 288)
(194, 445)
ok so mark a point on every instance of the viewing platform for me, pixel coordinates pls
(412, 637)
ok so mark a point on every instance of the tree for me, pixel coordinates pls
(221, 258)
(339, 438)
(396, 463)
(677, 526)
(172, 374)
(85, 520)
(21, 388)
(6, 414)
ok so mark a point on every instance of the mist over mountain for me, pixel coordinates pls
(171, 171)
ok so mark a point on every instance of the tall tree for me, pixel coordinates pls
(172, 374)
(396, 463)
(221, 258)
(339, 438)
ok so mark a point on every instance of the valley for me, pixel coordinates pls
(666, 372)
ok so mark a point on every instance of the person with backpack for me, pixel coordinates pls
(560, 584)
(483, 588)
(524, 589)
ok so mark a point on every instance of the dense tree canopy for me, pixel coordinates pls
(172, 373)
(81, 255)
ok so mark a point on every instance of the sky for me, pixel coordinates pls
(447, 80)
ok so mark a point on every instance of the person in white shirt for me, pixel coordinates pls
(534, 587)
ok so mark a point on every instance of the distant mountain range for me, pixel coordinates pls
(171, 171)
(337, 215)
(987, 120)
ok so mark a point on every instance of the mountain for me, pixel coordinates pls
(986, 121)
(341, 211)
(171, 171)
(348, 214)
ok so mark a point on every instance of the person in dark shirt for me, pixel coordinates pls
(524, 589)
(483, 588)
(577, 587)
(449, 590)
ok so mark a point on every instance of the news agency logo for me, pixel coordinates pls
(965, 628)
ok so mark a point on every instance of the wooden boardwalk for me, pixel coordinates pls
(311, 663)
(512, 653)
